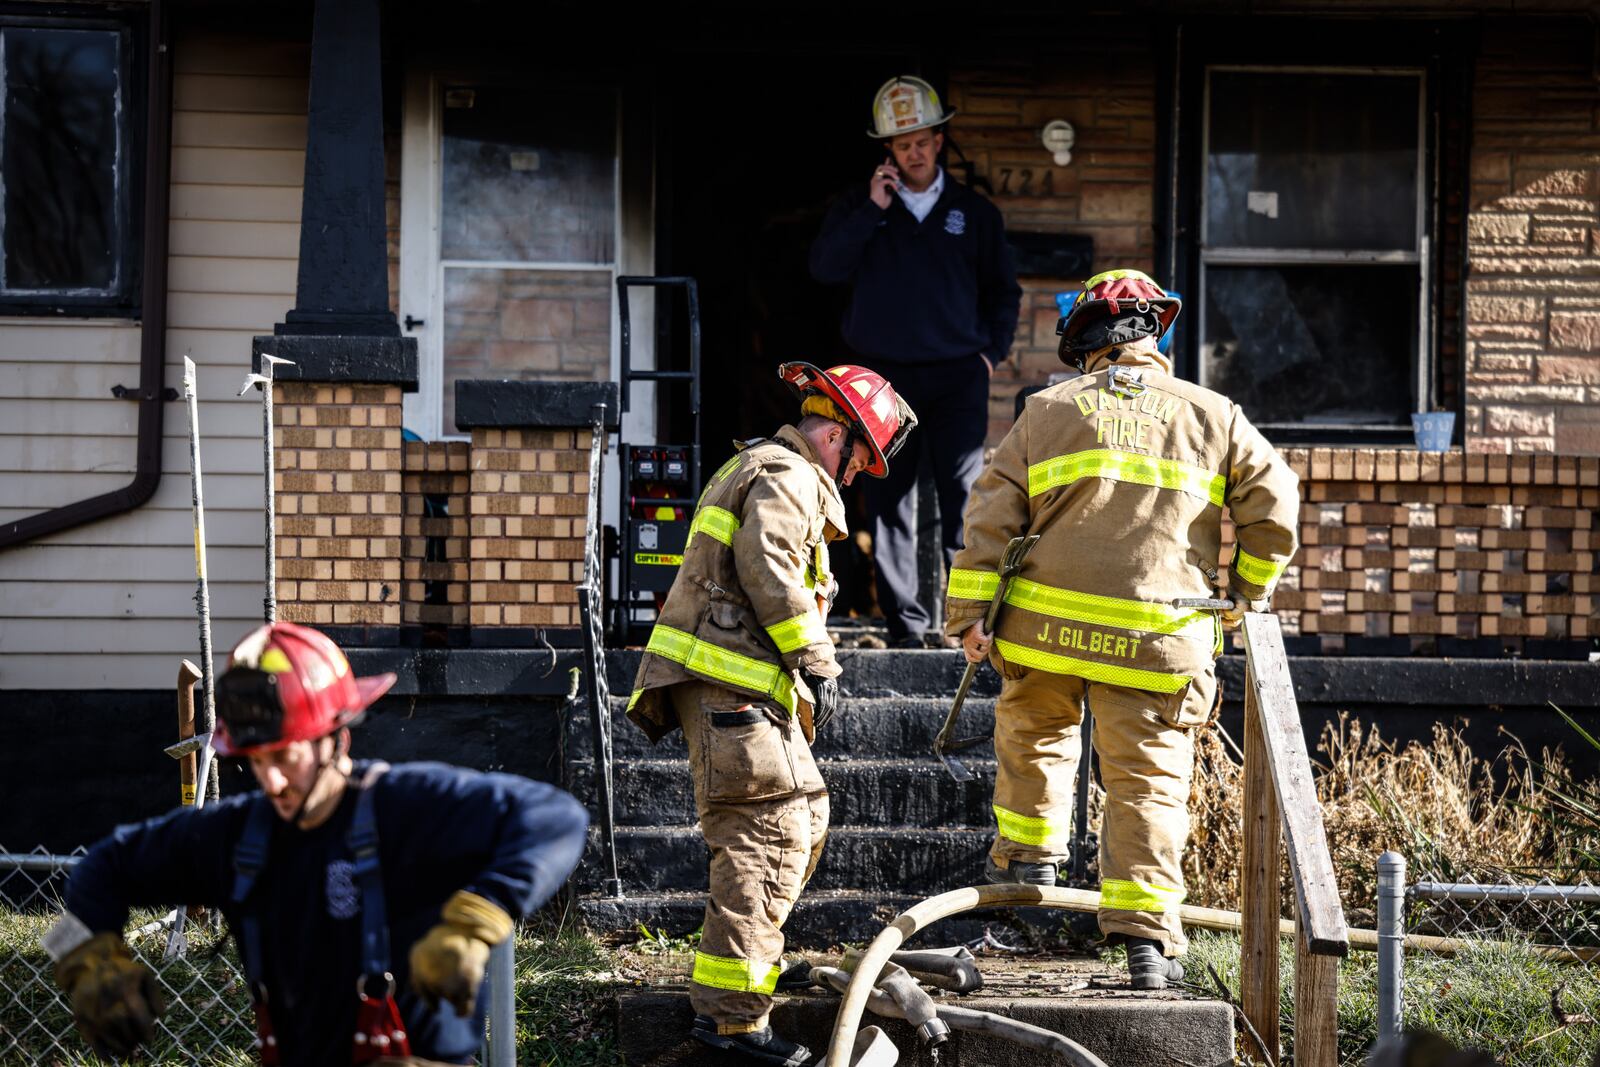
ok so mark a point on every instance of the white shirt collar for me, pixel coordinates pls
(920, 204)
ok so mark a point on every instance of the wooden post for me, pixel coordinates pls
(1316, 1005)
(1260, 887)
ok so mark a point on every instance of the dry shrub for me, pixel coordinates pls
(1449, 812)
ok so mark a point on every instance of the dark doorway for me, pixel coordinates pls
(752, 147)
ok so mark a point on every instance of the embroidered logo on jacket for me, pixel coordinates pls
(343, 900)
(955, 221)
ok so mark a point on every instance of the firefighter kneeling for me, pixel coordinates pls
(319, 873)
(1123, 473)
(740, 660)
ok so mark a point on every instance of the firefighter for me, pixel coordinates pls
(740, 661)
(1124, 473)
(364, 899)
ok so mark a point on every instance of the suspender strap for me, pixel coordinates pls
(249, 856)
(363, 841)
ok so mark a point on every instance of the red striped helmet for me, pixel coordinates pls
(287, 683)
(861, 399)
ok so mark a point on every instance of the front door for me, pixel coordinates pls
(510, 235)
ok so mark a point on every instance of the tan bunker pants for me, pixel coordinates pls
(1146, 750)
(764, 813)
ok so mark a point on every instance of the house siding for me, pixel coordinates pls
(109, 604)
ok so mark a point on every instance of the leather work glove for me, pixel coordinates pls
(825, 694)
(448, 962)
(114, 998)
(1234, 615)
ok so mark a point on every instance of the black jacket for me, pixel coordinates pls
(941, 289)
(440, 829)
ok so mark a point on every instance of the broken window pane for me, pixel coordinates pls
(1325, 161)
(1312, 345)
(529, 176)
(60, 160)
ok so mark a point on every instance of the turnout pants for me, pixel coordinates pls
(951, 399)
(1146, 748)
(764, 812)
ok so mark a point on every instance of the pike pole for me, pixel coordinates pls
(263, 381)
(202, 593)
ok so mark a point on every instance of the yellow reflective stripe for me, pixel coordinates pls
(741, 976)
(973, 585)
(721, 664)
(804, 629)
(1127, 467)
(634, 699)
(1028, 829)
(716, 522)
(1262, 572)
(1119, 894)
(1109, 610)
(1108, 673)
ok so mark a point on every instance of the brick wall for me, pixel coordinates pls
(436, 487)
(1106, 192)
(338, 506)
(528, 497)
(1489, 550)
(1533, 289)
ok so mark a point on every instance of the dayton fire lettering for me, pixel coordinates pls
(1115, 418)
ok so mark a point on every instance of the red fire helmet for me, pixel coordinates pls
(1114, 307)
(287, 683)
(862, 399)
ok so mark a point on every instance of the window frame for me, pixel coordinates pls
(124, 299)
(1209, 256)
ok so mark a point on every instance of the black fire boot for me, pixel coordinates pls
(1148, 968)
(758, 1046)
(1021, 873)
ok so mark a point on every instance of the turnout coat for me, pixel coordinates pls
(1124, 474)
(746, 610)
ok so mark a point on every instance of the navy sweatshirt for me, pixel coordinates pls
(926, 292)
(440, 829)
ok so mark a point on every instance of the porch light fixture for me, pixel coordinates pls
(1059, 137)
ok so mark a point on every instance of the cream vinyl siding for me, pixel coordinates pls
(109, 605)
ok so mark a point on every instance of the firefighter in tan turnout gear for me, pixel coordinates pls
(1123, 473)
(739, 659)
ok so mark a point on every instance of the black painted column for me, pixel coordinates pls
(344, 269)
(341, 329)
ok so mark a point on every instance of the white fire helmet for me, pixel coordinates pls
(904, 104)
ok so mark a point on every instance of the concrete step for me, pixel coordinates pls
(1120, 1028)
(823, 917)
(873, 727)
(864, 792)
(896, 859)
(868, 672)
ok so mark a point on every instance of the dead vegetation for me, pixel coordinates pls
(1448, 811)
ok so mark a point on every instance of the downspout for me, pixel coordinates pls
(153, 329)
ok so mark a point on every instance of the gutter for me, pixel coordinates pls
(153, 330)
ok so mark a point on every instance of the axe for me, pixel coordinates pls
(1010, 566)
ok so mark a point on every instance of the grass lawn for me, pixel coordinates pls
(1496, 998)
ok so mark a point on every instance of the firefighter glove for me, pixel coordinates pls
(114, 998)
(825, 699)
(1233, 616)
(448, 962)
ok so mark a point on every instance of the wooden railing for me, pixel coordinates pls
(1280, 806)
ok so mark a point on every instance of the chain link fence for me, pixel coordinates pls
(1507, 965)
(208, 1017)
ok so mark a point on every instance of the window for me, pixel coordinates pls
(66, 206)
(1314, 251)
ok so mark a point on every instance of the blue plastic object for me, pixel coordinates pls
(1433, 430)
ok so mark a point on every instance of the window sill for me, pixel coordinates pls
(1406, 464)
(120, 321)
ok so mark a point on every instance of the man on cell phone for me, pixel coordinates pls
(934, 306)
